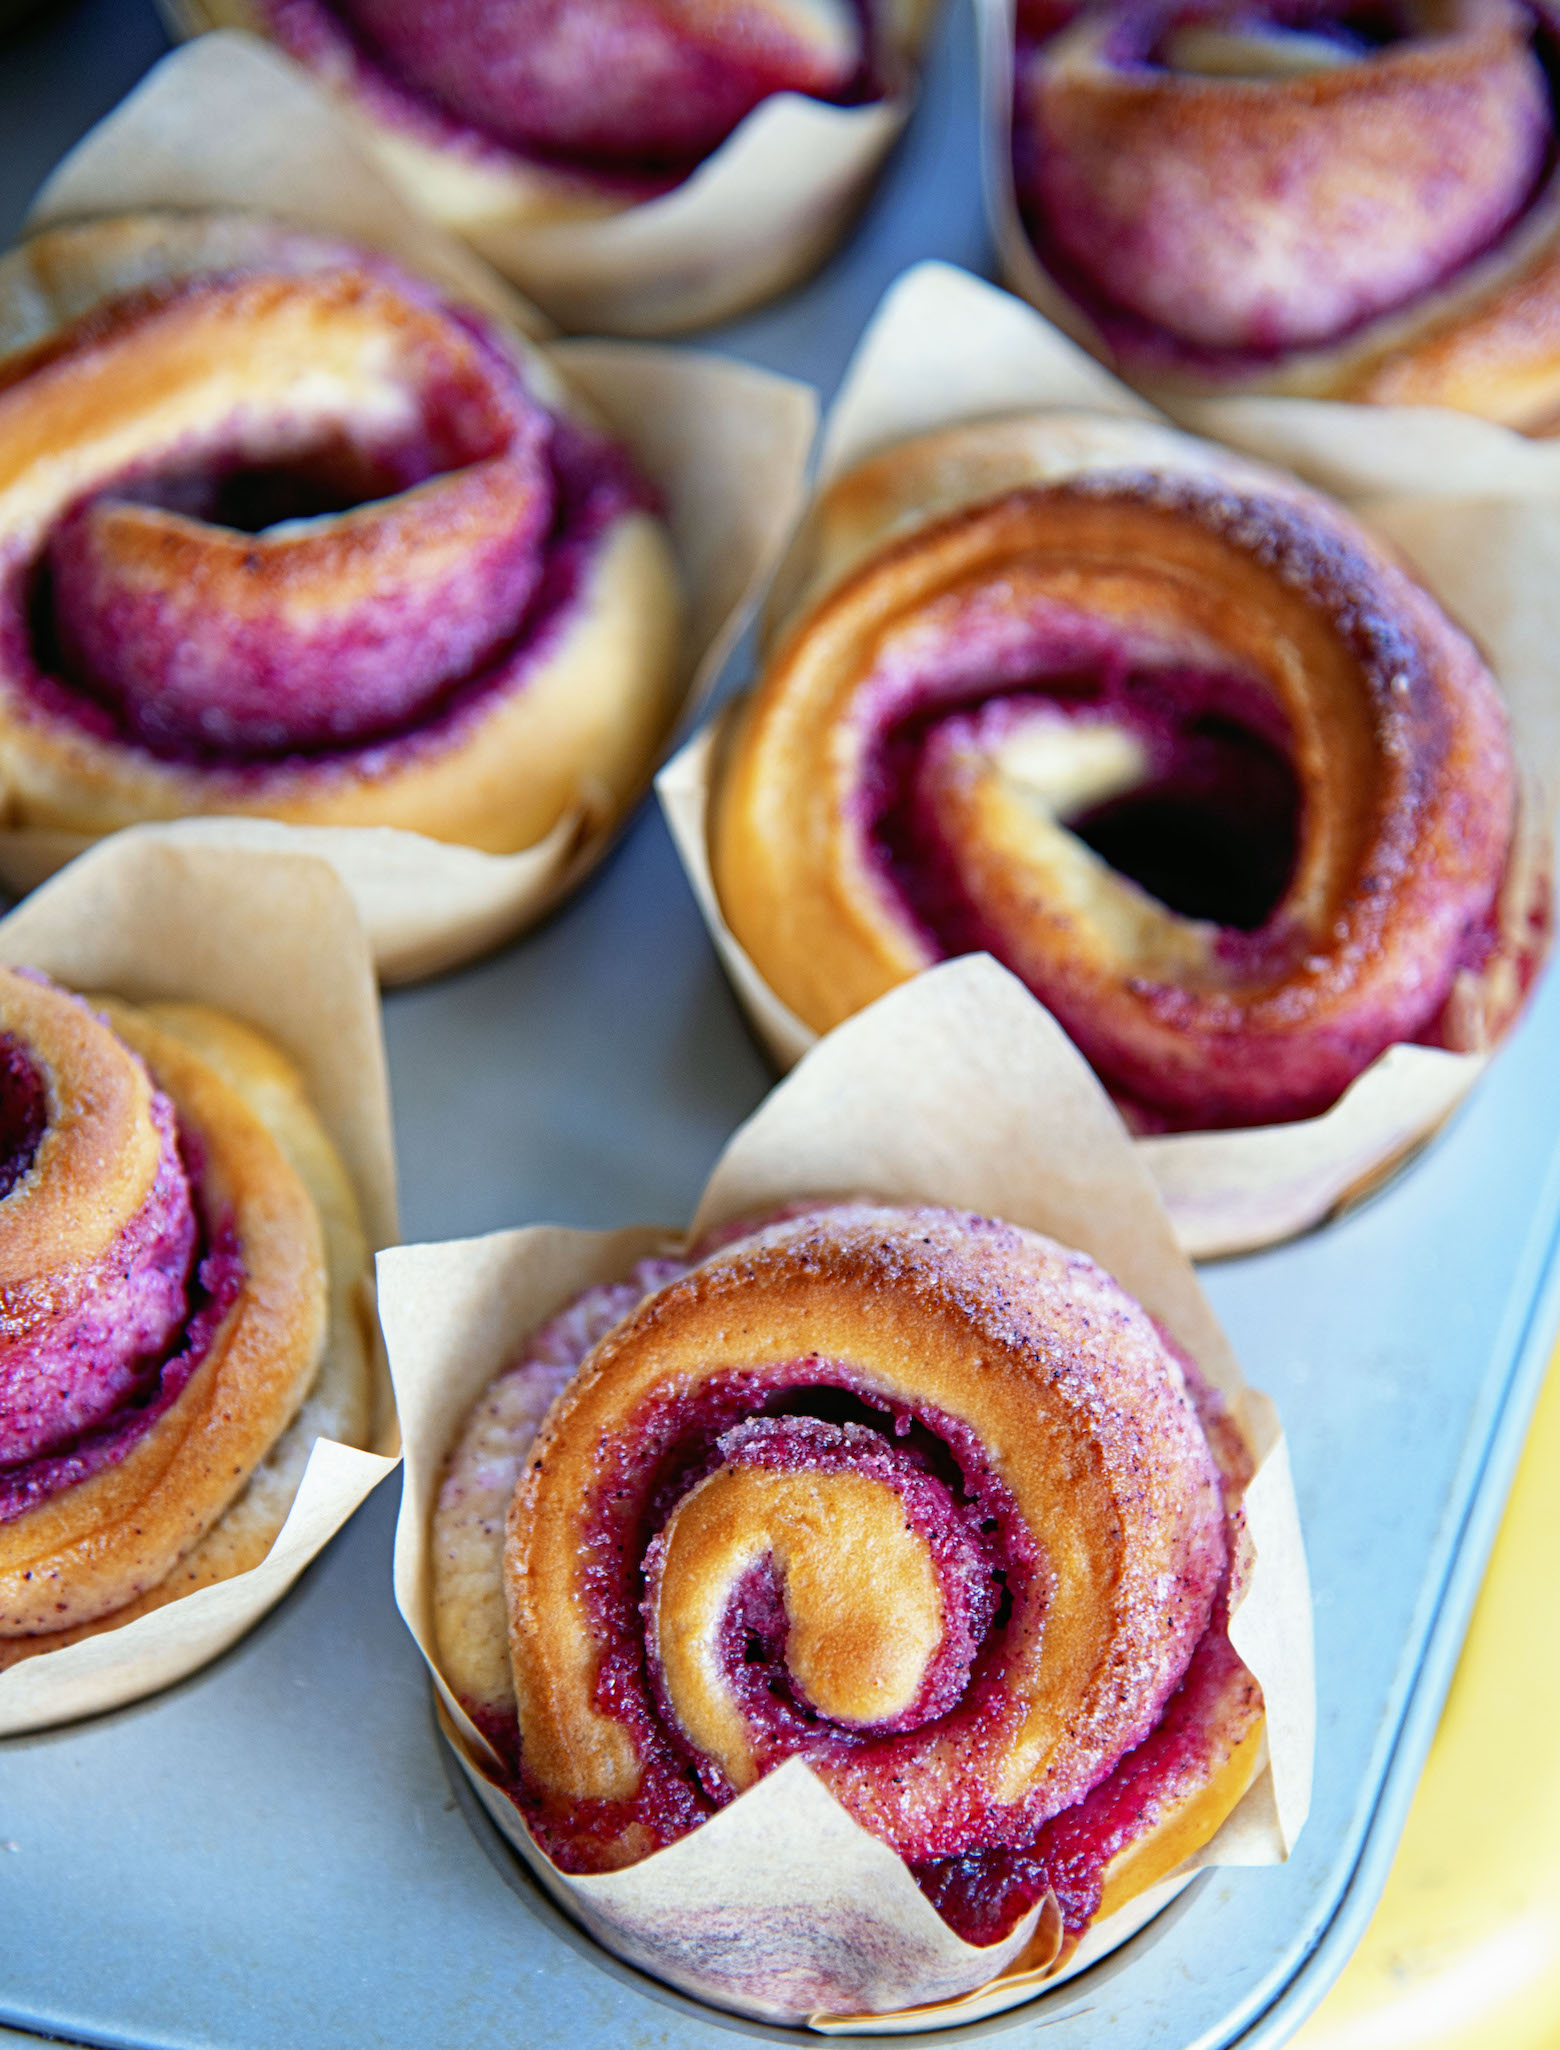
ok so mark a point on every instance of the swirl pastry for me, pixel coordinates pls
(1166, 733)
(180, 1261)
(282, 534)
(1342, 201)
(550, 110)
(923, 1499)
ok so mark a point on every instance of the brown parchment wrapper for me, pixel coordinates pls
(273, 940)
(758, 215)
(957, 1089)
(944, 347)
(227, 123)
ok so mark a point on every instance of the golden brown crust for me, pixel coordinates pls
(1065, 1385)
(572, 738)
(117, 363)
(1184, 1826)
(208, 1496)
(866, 1612)
(1184, 557)
(98, 1155)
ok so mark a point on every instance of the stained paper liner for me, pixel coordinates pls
(758, 215)
(956, 1089)
(944, 348)
(272, 940)
(229, 123)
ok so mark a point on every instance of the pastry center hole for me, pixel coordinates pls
(250, 494)
(1214, 834)
(1178, 778)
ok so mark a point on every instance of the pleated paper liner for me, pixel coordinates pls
(227, 123)
(757, 216)
(954, 1089)
(944, 348)
(272, 940)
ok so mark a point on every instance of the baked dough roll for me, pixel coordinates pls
(920, 1498)
(182, 1268)
(1168, 734)
(635, 166)
(285, 535)
(1337, 202)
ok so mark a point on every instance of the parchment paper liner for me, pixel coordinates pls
(228, 123)
(956, 1088)
(271, 939)
(757, 216)
(944, 347)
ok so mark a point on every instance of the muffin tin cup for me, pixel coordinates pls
(272, 940)
(945, 348)
(757, 216)
(226, 123)
(956, 1089)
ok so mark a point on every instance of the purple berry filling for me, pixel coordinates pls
(1212, 833)
(620, 93)
(1083, 256)
(990, 1563)
(183, 663)
(105, 1329)
(816, 1415)
(214, 1287)
(781, 1721)
(146, 676)
(24, 1113)
(91, 1358)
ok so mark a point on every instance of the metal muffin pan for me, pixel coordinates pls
(279, 1851)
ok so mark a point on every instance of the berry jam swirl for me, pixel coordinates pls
(630, 94)
(919, 1498)
(1172, 739)
(111, 1285)
(280, 531)
(1218, 186)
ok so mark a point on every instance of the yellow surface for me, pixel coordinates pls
(1464, 1950)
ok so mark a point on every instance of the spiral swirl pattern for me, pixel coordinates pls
(280, 532)
(920, 1498)
(1169, 736)
(100, 1235)
(1344, 199)
(162, 1306)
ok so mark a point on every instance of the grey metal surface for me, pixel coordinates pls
(278, 1853)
